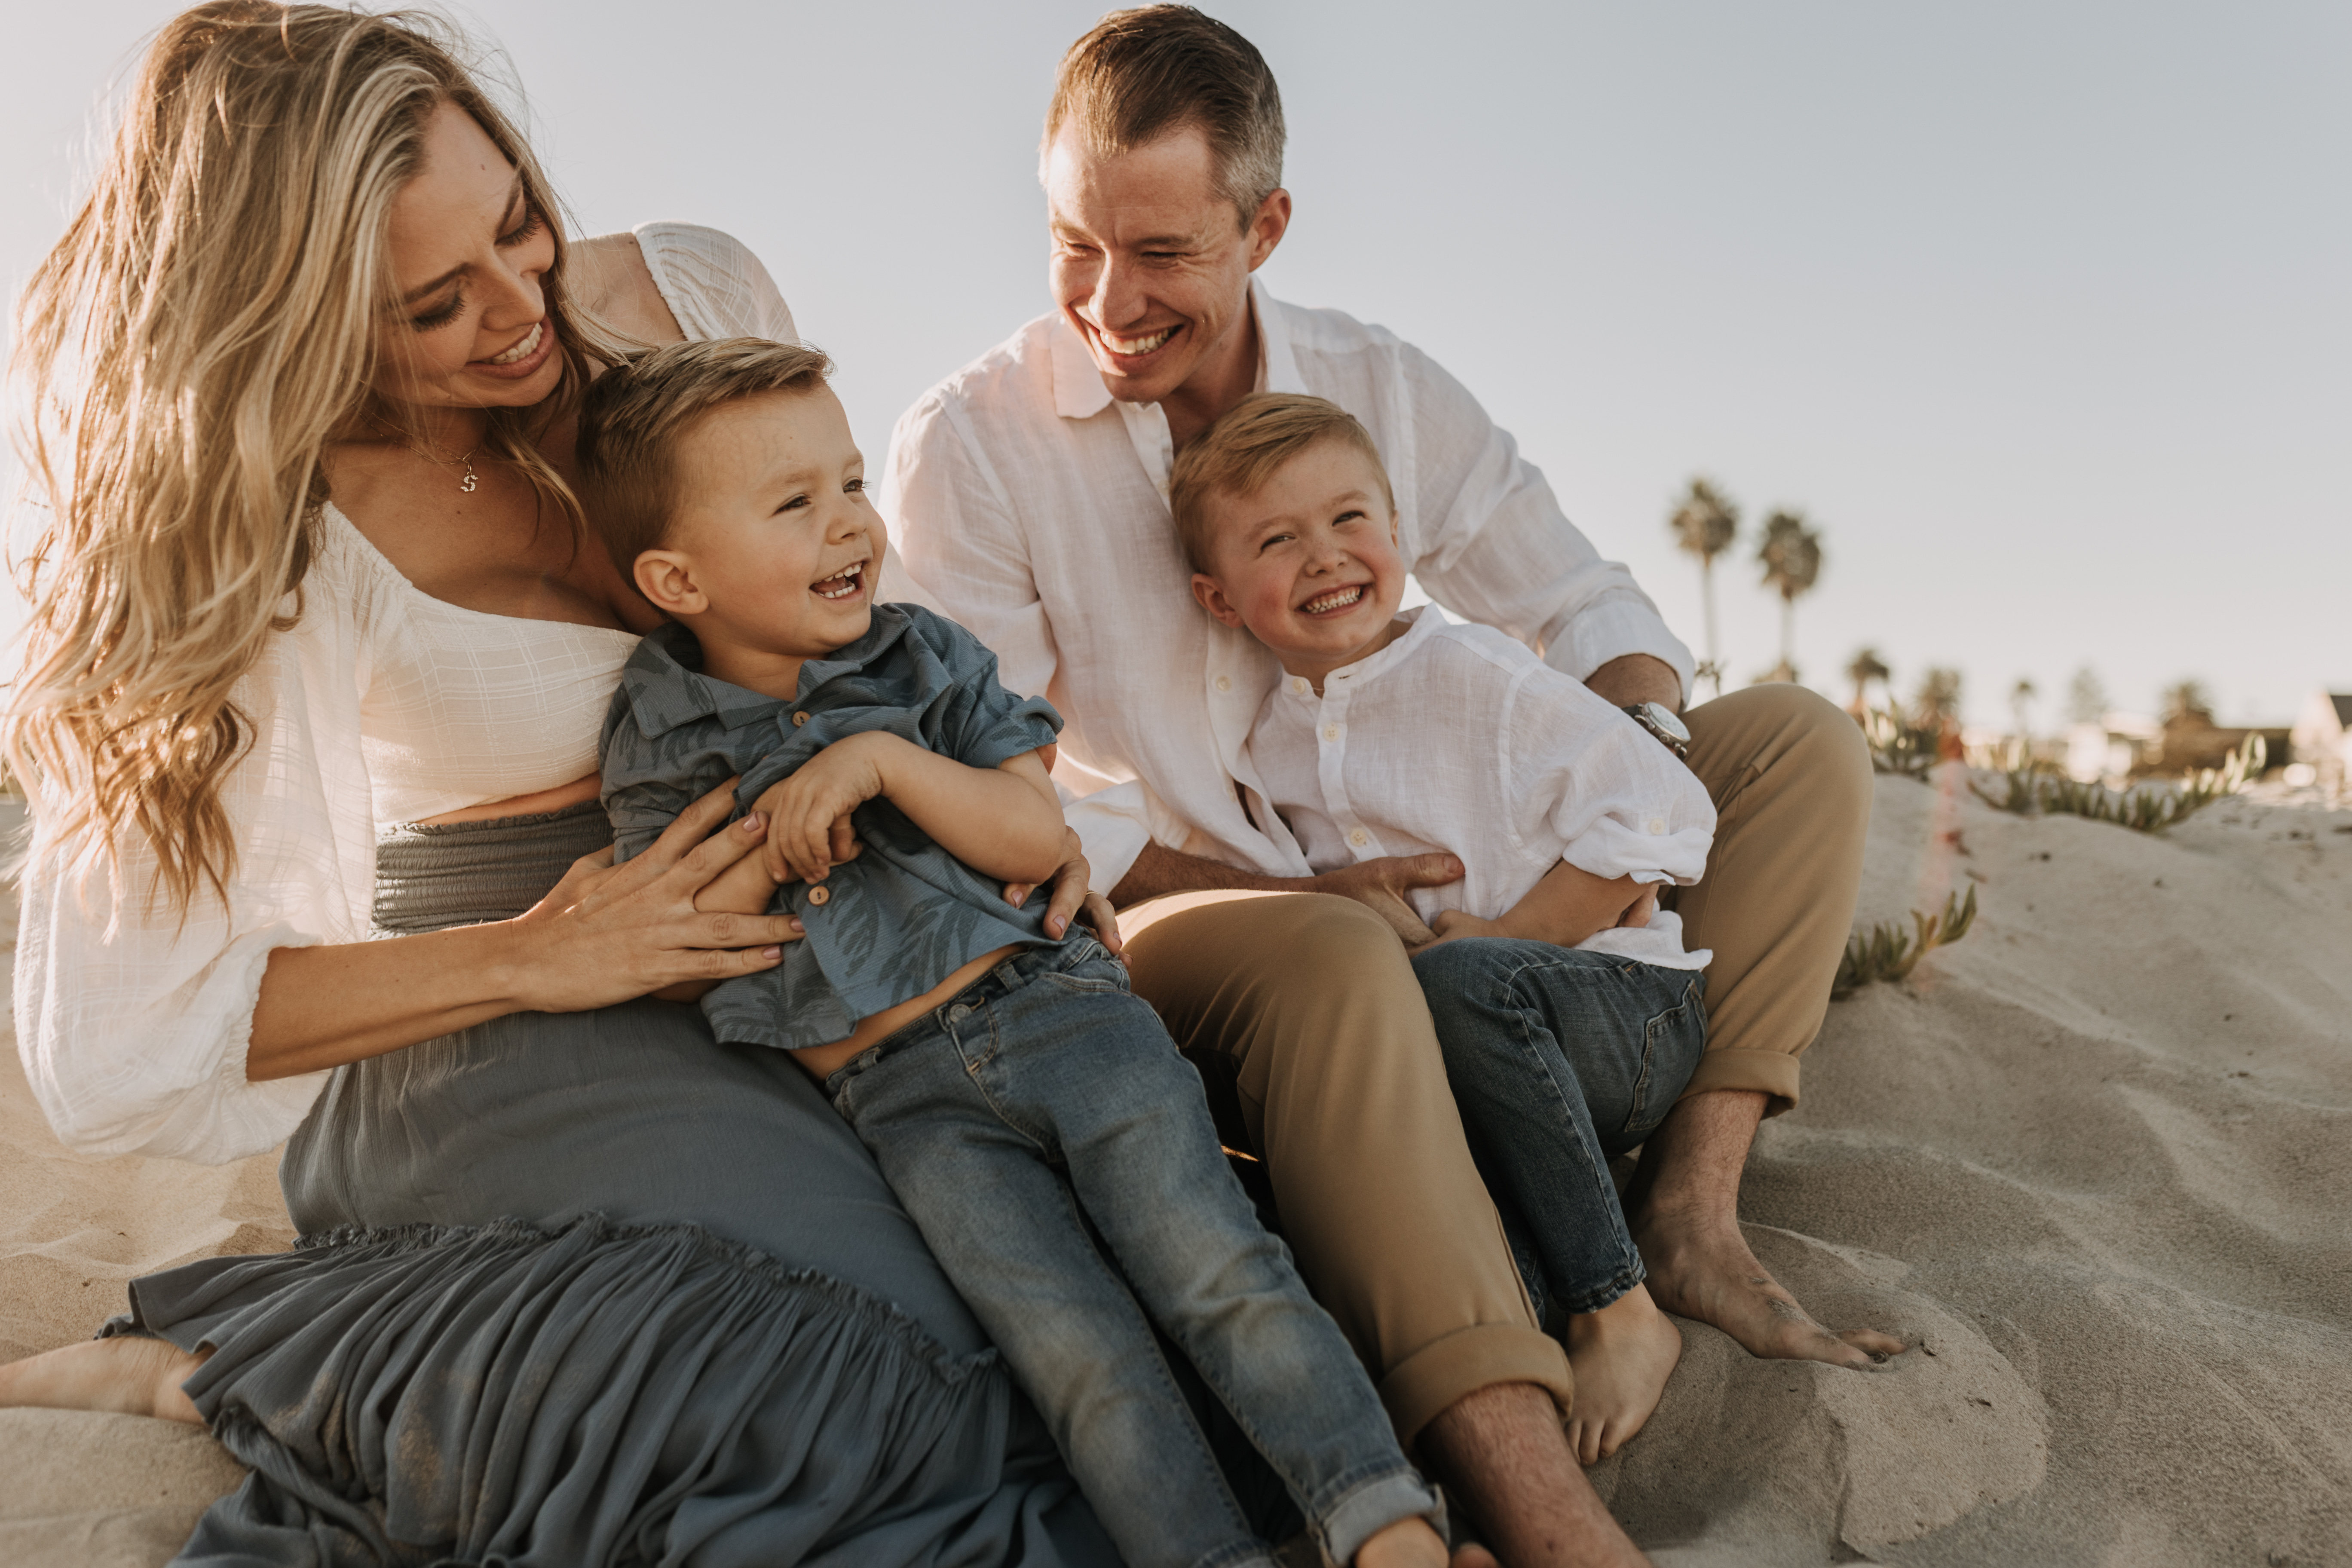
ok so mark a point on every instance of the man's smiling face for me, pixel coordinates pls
(1151, 263)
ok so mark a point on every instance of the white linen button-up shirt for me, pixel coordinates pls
(1031, 507)
(1456, 738)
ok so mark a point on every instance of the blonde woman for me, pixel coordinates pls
(309, 711)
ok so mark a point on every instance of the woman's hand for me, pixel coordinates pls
(1071, 897)
(611, 934)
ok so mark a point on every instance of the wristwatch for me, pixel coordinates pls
(1659, 719)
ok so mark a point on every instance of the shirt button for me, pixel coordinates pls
(1657, 824)
(799, 720)
(1330, 731)
(1360, 838)
(1224, 683)
(1298, 683)
(820, 897)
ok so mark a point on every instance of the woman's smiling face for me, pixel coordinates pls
(467, 253)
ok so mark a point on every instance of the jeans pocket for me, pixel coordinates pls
(1667, 1058)
(1087, 965)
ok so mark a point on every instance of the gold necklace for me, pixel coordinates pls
(468, 484)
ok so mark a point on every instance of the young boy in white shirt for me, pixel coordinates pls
(1568, 1012)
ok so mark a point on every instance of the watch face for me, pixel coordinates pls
(1663, 717)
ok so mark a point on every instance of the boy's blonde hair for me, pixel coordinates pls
(1238, 454)
(637, 413)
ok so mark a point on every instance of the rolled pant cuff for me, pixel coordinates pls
(1440, 1374)
(1772, 1073)
(1375, 1505)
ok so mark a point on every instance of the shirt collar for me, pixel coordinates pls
(1422, 625)
(1078, 389)
(666, 687)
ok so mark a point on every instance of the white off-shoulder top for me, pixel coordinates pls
(381, 704)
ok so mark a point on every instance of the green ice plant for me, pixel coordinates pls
(2034, 789)
(1897, 745)
(1889, 952)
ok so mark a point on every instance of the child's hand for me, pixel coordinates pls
(808, 814)
(1453, 925)
(1639, 911)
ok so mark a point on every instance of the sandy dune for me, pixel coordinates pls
(2096, 1160)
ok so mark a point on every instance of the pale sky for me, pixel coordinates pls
(2040, 311)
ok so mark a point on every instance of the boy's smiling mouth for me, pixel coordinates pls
(1333, 600)
(841, 585)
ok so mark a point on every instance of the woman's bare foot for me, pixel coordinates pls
(126, 1376)
(1621, 1355)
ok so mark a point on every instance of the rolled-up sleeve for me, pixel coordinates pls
(1587, 777)
(1496, 548)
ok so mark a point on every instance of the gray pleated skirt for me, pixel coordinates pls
(591, 1288)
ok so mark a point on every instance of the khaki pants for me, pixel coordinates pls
(1304, 1015)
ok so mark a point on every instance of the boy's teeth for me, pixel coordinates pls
(847, 581)
(523, 350)
(1334, 599)
(1138, 345)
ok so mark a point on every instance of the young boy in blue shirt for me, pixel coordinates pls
(1013, 1091)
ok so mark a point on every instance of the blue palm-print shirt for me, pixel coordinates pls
(905, 914)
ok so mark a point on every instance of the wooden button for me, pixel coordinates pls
(820, 897)
(799, 720)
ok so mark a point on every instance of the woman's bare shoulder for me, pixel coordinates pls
(610, 280)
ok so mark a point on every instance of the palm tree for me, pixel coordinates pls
(2186, 701)
(1939, 709)
(1866, 667)
(1704, 525)
(2021, 704)
(1938, 700)
(1792, 558)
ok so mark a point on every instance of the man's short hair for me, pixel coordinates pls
(637, 413)
(1143, 73)
(1239, 453)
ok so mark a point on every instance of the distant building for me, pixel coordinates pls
(2322, 739)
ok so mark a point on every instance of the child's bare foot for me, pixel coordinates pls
(1621, 1356)
(126, 1376)
(1407, 1544)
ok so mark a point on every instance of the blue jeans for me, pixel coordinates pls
(1045, 1107)
(1559, 1060)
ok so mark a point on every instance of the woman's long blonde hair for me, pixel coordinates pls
(184, 356)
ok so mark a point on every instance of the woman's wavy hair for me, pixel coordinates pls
(184, 356)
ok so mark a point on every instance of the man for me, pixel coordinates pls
(1029, 491)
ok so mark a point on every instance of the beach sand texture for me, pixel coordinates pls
(2096, 1160)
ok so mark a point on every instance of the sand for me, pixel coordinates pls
(2096, 1160)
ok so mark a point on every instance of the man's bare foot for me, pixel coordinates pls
(1708, 1271)
(1502, 1455)
(1621, 1355)
(1683, 1210)
(125, 1376)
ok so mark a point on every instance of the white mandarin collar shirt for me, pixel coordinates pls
(1455, 738)
(1032, 506)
